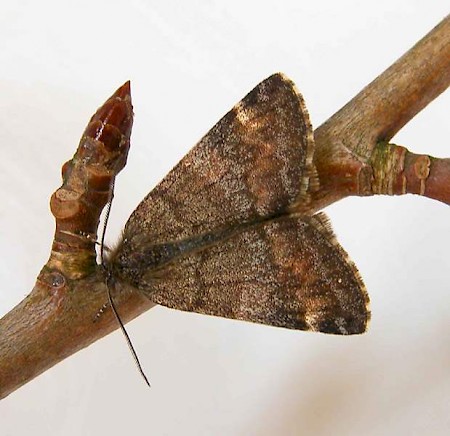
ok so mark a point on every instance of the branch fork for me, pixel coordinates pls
(353, 157)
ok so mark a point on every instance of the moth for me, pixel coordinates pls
(228, 231)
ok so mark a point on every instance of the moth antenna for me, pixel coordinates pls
(125, 333)
(105, 223)
(106, 248)
(109, 279)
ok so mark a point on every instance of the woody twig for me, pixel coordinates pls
(353, 156)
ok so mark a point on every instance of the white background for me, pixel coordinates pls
(189, 62)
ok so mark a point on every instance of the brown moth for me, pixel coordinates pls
(224, 233)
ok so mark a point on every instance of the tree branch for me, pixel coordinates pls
(396, 171)
(345, 142)
(58, 318)
(353, 157)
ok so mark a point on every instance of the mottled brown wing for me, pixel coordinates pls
(255, 162)
(287, 272)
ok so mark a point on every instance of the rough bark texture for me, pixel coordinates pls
(353, 157)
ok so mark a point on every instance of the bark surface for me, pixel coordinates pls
(353, 157)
